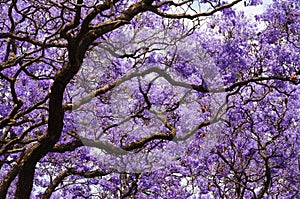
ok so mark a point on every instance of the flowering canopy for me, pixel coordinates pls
(149, 99)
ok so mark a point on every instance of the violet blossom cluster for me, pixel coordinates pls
(149, 99)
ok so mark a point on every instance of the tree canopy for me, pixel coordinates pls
(149, 99)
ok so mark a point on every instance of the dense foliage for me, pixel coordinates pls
(149, 99)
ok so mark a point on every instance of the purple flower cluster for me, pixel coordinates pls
(143, 99)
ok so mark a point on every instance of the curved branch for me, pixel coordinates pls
(31, 40)
(155, 10)
(71, 171)
(167, 77)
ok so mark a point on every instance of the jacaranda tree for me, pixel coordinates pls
(149, 99)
